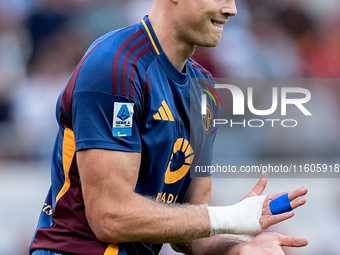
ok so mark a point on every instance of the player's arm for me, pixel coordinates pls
(265, 243)
(117, 214)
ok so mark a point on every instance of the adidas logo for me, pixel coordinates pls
(164, 113)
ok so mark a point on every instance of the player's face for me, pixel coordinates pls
(201, 21)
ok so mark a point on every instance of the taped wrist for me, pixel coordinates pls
(240, 218)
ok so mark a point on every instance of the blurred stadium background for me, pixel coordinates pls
(41, 41)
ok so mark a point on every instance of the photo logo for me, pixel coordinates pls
(294, 96)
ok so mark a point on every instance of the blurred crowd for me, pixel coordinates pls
(41, 42)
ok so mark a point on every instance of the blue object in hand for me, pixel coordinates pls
(280, 205)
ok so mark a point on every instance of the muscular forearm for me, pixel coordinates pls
(133, 218)
(117, 214)
(143, 220)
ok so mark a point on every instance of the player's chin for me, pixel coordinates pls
(212, 42)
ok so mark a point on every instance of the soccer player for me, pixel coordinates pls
(123, 151)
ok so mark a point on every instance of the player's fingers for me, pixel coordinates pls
(298, 202)
(292, 241)
(259, 186)
(274, 219)
(294, 194)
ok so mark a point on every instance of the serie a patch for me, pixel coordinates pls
(122, 119)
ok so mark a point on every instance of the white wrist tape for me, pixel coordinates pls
(240, 218)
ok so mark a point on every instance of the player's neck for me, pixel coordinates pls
(176, 50)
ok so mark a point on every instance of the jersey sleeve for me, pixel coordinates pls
(105, 121)
(103, 115)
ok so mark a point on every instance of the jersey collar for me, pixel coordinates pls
(162, 58)
(152, 36)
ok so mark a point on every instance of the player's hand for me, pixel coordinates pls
(268, 219)
(270, 244)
